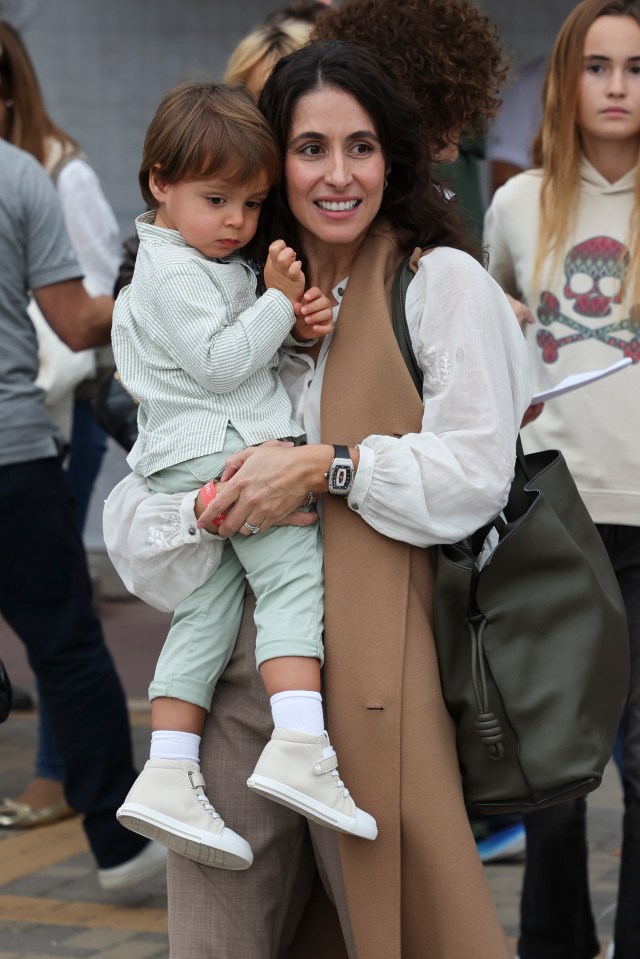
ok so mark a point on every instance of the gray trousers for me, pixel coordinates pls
(218, 914)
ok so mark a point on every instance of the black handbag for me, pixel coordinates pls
(6, 693)
(532, 646)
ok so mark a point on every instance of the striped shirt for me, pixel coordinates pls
(199, 351)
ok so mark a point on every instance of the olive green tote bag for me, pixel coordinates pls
(532, 645)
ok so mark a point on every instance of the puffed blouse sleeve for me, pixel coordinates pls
(441, 484)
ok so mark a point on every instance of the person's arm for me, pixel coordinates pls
(52, 272)
(81, 321)
(442, 483)
(265, 484)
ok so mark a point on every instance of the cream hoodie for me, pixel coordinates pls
(583, 323)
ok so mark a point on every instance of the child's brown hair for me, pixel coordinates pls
(204, 129)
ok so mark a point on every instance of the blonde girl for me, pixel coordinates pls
(564, 237)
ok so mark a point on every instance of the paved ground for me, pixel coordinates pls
(50, 902)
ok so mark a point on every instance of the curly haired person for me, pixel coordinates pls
(454, 68)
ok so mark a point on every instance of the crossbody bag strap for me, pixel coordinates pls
(402, 279)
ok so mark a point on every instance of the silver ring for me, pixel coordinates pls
(254, 529)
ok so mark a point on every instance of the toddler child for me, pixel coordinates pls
(200, 353)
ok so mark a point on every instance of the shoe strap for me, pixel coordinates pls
(196, 779)
(323, 766)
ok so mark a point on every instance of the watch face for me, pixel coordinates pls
(342, 476)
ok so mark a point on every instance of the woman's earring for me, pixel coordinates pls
(385, 184)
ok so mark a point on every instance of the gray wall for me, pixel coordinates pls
(528, 27)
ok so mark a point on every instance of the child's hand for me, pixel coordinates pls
(314, 316)
(283, 271)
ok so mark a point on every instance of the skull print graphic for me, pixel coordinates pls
(594, 272)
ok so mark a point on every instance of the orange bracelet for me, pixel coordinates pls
(207, 494)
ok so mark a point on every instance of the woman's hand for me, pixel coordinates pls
(297, 518)
(265, 486)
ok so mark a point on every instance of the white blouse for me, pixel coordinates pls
(436, 486)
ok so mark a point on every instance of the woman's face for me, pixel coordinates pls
(334, 167)
(609, 91)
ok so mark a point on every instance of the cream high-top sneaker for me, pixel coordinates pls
(167, 802)
(295, 771)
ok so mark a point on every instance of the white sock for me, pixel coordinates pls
(299, 709)
(172, 744)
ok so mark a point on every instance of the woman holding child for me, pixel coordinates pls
(355, 197)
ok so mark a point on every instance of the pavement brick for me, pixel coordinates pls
(98, 939)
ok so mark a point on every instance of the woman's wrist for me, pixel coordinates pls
(322, 458)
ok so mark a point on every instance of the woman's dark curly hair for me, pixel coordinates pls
(417, 209)
(447, 53)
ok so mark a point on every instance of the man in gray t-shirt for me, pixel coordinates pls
(45, 591)
(36, 255)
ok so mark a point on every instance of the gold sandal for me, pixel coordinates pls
(20, 815)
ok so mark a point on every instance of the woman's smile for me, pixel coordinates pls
(339, 207)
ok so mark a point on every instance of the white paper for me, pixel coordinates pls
(576, 380)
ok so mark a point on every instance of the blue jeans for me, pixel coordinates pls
(45, 596)
(556, 915)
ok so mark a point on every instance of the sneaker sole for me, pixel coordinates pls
(197, 845)
(317, 812)
(510, 844)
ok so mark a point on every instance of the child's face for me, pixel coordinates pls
(214, 216)
(609, 91)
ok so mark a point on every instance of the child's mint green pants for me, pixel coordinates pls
(283, 567)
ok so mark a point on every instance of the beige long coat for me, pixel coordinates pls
(419, 889)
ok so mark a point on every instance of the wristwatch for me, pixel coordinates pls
(341, 472)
